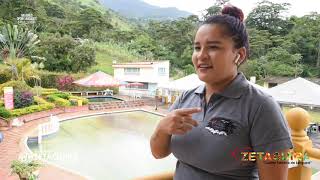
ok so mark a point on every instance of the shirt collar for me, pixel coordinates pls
(234, 90)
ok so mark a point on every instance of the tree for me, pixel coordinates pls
(268, 16)
(256, 67)
(305, 38)
(276, 62)
(82, 57)
(63, 53)
(259, 41)
(55, 49)
(23, 69)
(54, 10)
(281, 63)
(11, 9)
(144, 45)
(188, 69)
(215, 9)
(90, 18)
(176, 37)
(16, 43)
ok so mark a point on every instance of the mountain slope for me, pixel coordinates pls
(117, 20)
(141, 9)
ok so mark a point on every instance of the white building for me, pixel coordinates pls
(149, 73)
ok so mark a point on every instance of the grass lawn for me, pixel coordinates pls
(107, 52)
(104, 61)
(315, 115)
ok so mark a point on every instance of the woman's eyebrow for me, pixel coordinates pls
(208, 42)
(214, 42)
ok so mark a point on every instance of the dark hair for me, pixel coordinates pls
(232, 19)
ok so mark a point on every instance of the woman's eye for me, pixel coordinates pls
(213, 47)
(197, 48)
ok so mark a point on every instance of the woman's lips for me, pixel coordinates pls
(204, 67)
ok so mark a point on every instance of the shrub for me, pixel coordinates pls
(22, 99)
(49, 91)
(62, 95)
(62, 102)
(5, 75)
(84, 100)
(17, 85)
(65, 82)
(58, 101)
(39, 100)
(42, 105)
(32, 109)
(25, 169)
(4, 113)
(48, 79)
(1, 103)
(73, 102)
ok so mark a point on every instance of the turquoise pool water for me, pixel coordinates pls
(111, 146)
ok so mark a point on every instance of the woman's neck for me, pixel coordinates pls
(213, 88)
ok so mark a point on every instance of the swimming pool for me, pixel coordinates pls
(103, 99)
(111, 146)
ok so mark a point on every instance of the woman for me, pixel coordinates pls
(208, 127)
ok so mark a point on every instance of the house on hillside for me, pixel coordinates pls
(150, 74)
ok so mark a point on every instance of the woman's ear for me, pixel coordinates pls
(236, 61)
(241, 56)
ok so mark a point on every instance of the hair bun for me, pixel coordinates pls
(233, 11)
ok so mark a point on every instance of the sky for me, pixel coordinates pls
(298, 7)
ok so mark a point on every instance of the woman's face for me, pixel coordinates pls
(214, 54)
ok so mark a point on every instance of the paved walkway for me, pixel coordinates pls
(12, 147)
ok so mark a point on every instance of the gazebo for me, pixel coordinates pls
(99, 79)
(298, 91)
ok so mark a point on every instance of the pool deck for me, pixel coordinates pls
(12, 145)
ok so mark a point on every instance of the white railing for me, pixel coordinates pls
(50, 127)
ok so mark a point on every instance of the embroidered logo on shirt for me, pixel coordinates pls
(220, 126)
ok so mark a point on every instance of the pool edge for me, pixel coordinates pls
(26, 150)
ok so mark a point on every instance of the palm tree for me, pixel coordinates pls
(15, 43)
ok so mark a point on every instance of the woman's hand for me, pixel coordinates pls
(178, 121)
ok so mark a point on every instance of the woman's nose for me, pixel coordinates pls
(202, 54)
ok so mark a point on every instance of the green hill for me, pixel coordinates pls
(117, 21)
(108, 52)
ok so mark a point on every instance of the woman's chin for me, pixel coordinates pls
(203, 77)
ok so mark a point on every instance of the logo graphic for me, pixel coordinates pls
(246, 155)
(221, 126)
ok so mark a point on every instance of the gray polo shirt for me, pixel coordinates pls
(242, 118)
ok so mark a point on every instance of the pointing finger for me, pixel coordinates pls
(187, 111)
